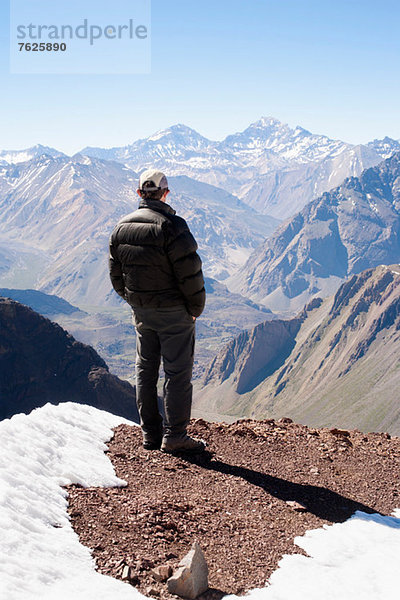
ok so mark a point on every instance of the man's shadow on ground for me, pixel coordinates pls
(320, 501)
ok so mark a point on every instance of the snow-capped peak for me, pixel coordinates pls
(19, 156)
(270, 134)
(266, 122)
(179, 132)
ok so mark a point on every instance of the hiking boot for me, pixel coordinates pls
(182, 444)
(152, 442)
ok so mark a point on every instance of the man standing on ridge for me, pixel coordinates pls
(154, 267)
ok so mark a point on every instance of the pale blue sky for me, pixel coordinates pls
(329, 66)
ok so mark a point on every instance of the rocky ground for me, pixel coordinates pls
(260, 484)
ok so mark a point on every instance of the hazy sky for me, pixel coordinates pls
(331, 66)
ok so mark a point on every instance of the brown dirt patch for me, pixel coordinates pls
(232, 500)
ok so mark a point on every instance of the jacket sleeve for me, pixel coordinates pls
(115, 269)
(186, 264)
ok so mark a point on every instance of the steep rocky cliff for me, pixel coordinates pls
(40, 362)
(254, 354)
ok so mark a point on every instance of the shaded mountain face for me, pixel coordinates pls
(353, 227)
(272, 167)
(40, 362)
(56, 215)
(256, 353)
(337, 364)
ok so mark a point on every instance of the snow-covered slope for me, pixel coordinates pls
(181, 147)
(175, 143)
(41, 557)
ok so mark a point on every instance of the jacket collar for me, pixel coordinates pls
(157, 205)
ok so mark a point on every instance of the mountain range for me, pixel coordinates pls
(44, 304)
(272, 167)
(56, 215)
(63, 209)
(346, 230)
(335, 364)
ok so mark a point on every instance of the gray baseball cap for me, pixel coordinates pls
(152, 180)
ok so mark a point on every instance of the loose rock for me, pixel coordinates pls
(191, 578)
(150, 591)
(162, 573)
(296, 505)
(126, 573)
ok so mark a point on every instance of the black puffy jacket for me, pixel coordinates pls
(153, 259)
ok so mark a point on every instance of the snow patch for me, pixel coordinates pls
(355, 559)
(41, 556)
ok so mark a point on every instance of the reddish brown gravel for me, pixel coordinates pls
(232, 500)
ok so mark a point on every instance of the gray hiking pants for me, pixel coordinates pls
(168, 332)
